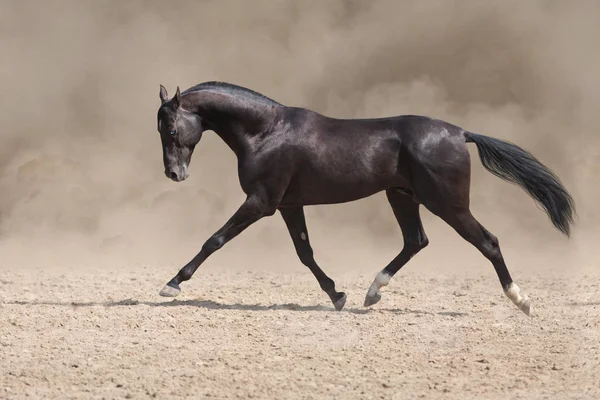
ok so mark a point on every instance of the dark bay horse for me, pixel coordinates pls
(290, 157)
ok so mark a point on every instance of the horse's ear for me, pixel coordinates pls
(164, 97)
(177, 98)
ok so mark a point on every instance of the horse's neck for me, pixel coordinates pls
(235, 121)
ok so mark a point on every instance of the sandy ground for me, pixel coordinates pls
(107, 334)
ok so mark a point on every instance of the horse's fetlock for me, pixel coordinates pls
(327, 285)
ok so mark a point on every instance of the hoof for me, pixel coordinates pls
(525, 306)
(372, 299)
(170, 290)
(340, 303)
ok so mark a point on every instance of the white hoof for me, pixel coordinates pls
(371, 299)
(526, 306)
(170, 291)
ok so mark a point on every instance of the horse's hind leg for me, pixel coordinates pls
(296, 224)
(471, 230)
(406, 211)
(442, 175)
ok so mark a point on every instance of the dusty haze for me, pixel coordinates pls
(81, 175)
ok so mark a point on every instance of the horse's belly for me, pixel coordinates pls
(345, 171)
(315, 189)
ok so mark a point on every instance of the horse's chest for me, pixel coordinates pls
(249, 174)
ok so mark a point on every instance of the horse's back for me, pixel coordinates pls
(337, 160)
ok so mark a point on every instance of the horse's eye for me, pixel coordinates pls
(172, 133)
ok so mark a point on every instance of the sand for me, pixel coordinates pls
(107, 334)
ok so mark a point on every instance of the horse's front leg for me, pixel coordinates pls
(253, 209)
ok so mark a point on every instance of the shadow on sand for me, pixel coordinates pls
(213, 305)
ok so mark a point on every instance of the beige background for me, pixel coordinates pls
(81, 163)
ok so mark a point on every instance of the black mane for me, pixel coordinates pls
(230, 88)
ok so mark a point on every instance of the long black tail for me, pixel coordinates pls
(513, 164)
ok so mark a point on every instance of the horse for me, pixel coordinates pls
(292, 157)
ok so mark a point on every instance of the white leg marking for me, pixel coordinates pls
(514, 294)
(302, 235)
(382, 279)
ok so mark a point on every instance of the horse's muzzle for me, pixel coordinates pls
(177, 174)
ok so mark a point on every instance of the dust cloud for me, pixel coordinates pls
(81, 175)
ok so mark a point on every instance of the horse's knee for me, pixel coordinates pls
(213, 244)
(493, 242)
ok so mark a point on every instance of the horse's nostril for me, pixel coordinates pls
(173, 176)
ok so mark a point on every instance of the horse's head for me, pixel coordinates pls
(180, 131)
